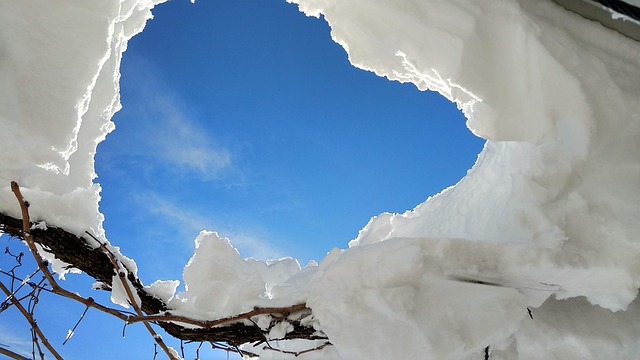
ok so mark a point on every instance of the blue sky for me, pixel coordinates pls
(244, 117)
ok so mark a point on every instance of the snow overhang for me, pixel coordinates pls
(621, 16)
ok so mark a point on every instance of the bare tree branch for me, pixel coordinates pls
(167, 316)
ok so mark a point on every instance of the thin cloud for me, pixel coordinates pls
(166, 130)
(181, 143)
(21, 346)
(250, 241)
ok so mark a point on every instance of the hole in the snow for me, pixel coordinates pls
(244, 117)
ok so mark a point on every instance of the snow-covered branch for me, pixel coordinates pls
(102, 265)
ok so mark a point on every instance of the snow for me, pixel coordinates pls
(163, 289)
(119, 294)
(546, 221)
(59, 88)
(280, 330)
(57, 266)
(217, 268)
(174, 353)
(70, 334)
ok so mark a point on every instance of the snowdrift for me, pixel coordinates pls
(534, 253)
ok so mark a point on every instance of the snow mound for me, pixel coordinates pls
(219, 283)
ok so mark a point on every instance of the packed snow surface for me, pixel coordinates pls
(535, 253)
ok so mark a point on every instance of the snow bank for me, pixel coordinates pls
(534, 253)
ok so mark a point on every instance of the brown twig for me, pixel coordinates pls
(297, 353)
(31, 321)
(122, 274)
(26, 231)
(23, 282)
(232, 349)
(72, 331)
(12, 272)
(27, 235)
(13, 296)
(212, 323)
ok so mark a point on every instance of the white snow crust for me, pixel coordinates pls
(535, 253)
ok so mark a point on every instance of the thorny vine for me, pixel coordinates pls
(24, 293)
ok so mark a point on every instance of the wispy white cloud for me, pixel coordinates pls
(21, 346)
(168, 130)
(179, 142)
(253, 244)
(250, 240)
